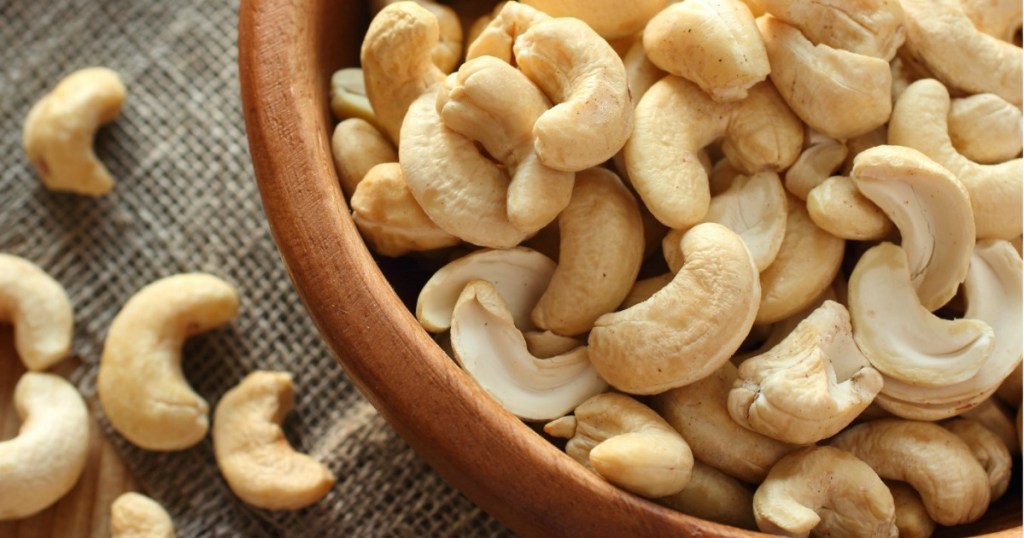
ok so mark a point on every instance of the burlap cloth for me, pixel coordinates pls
(186, 200)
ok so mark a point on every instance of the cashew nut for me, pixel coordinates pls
(821, 157)
(999, 420)
(40, 311)
(869, 27)
(448, 50)
(837, 207)
(134, 515)
(251, 450)
(44, 461)
(140, 383)
(755, 208)
(60, 128)
(985, 129)
(988, 448)
(510, 20)
(912, 518)
(715, 496)
(609, 18)
(348, 96)
(357, 146)
(998, 18)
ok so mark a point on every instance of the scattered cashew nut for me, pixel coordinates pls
(40, 311)
(134, 515)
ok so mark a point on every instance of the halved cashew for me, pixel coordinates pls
(912, 518)
(396, 59)
(348, 96)
(491, 102)
(520, 274)
(675, 119)
(837, 207)
(581, 73)
(48, 455)
(628, 444)
(40, 311)
(998, 18)
(609, 18)
(988, 448)
(602, 246)
(489, 346)
(951, 482)
(252, 452)
(689, 328)
(806, 265)
(809, 386)
(755, 208)
(715, 496)
(60, 128)
(699, 411)
(985, 128)
(870, 27)
(836, 92)
(140, 383)
(134, 515)
(900, 337)
(390, 219)
(947, 42)
(821, 157)
(714, 44)
(357, 146)
(932, 211)
(510, 20)
(826, 491)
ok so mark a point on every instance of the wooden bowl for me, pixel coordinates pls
(287, 52)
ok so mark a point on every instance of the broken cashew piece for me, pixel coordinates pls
(985, 128)
(60, 129)
(827, 491)
(43, 462)
(357, 146)
(837, 207)
(40, 311)
(140, 383)
(988, 448)
(626, 443)
(134, 515)
(715, 496)
(252, 452)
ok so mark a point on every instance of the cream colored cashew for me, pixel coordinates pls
(396, 56)
(950, 46)
(581, 73)
(134, 515)
(827, 491)
(952, 484)
(254, 456)
(609, 18)
(836, 92)
(932, 211)
(821, 157)
(348, 96)
(837, 207)
(510, 19)
(357, 146)
(689, 328)
(675, 119)
(520, 274)
(43, 462)
(912, 518)
(628, 444)
(447, 53)
(755, 208)
(870, 27)
(985, 129)
(807, 263)
(988, 448)
(699, 411)
(998, 18)
(714, 44)
(715, 496)
(389, 218)
(602, 247)
(140, 383)
(809, 386)
(493, 103)
(40, 311)
(60, 129)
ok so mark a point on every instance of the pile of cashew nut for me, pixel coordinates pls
(828, 340)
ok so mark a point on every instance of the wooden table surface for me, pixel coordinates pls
(85, 510)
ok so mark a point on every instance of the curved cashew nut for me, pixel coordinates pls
(689, 328)
(447, 52)
(714, 44)
(699, 411)
(675, 119)
(134, 515)
(1000, 18)
(357, 146)
(837, 207)
(60, 128)
(826, 490)
(628, 444)
(935, 462)
(609, 18)
(140, 383)
(348, 96)
(44, 461)
(997, 418)
(821, 157)
(510, 20)
(912, 518)
(601, 249)
(253, 455)
(988, 448)
(873, 27)
(985, 128)
(715, 496)
(40, 311)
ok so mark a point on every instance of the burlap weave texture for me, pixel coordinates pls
(186, 201)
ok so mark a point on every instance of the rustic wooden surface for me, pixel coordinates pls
(85, 510)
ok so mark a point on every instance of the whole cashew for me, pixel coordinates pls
(357, 146)
(821, 157)
(134, 515)
(348, 96)
(837, 207)
(510, 20)
(988, 448)
(447, 53)
(140, 383)
(985, 128)
(715, 496)
(39, 309)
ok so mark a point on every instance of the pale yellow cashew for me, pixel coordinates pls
(39, 309)
(715, 496)
(348, 96)
(870, 27)
(134, 515)
(998, 18)
(448, 50)
(821, 157)
(988, 448)
(609, 18)
(985, 128)
(837, 207)
(510, 20)
(357, 146)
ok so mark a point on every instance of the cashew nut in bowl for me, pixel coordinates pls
(252, 452)
(684, 37)
(628, 444)
(837, 207)
(134, 515)
(357, 146)
(44, 461)
(985, 128)
(715, 496)
(140, 383)
(951, 482)
(912, 518)
(510, 20)
(40, 311)
(872, 27)
(689, 328)
(60, 128)
(609, 18)
(989, 449)
(826, 491)
(348, 96)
